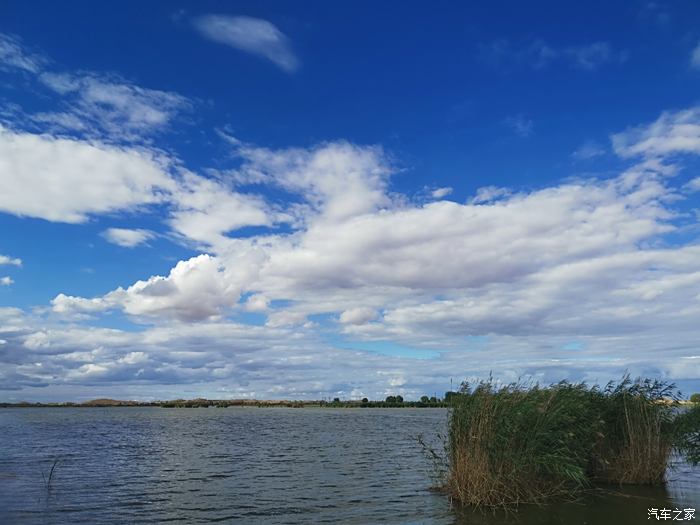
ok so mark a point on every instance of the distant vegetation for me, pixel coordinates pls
(695, 398)
(394, 401)
(525, 443)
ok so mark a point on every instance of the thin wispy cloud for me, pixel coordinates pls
(98, 105)
(588, 150)
(695, 57)
(13, 54)
(537, 54)
(106, 105)
(673, 132)
(252, 35)
(521, 125)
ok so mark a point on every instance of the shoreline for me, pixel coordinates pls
(229, 403)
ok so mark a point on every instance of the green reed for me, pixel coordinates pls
(526, 443)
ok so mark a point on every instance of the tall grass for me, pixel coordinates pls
(639, 431)
(526, 444)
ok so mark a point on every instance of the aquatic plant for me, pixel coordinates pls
(48, 479)
(523, 443)
(518, 443)
(638, 433)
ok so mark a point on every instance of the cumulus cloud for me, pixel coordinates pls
(14, 261)
(257, 303)
(508, 246)
(339, 180)
(204, 210)
(6, 281)
(253, 35)
(507, 276)
(224, 360)
(66, 180)
(359, 315)
(195, 289)
(66, 304)
(128, 238)
(69, 180)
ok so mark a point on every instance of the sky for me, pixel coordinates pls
(304, 200)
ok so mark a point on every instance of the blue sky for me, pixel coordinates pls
(303, 200)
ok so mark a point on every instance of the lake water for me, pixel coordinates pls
(258, 465)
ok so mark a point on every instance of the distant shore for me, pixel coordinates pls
(261, 403)
(226, 403)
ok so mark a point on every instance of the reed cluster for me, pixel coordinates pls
(526, 444)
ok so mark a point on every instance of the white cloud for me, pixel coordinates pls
(490, 193)
(66, 180)
(588, 150)
(502, 53)
(695, 57)
(6, 281)
(672, 132)
(359, 315)
(66, 304)
(196, 289)
(128, 238)
(440, 193)
(14, 261)
(14, 55)
(338, 179)
(285, 318)
(592, 56)
(101, 106)
(111, 106)
(507, 277)
(521, 125)
(252, 35)
(379, 258)
(69, 180)
(257, 303)
(538, 55)
(224, 360)
(204, 210)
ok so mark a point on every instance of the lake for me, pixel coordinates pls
(259, 465)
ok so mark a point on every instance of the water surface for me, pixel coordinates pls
(257, 465)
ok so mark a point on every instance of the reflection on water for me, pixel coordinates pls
(248, 465)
